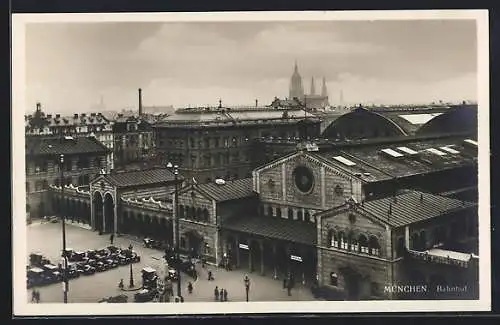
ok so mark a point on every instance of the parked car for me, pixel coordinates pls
(78, 257)
(103, 252)
(122, 259)
(92, 262)
(149, 278)
(113, 249)
(134, 258)
(73, 271)
(172, 275)
(91, 253)
(110, 263)
(36, 259)
(35, 277)
(88, 270)
(145, 295)
(101, 267)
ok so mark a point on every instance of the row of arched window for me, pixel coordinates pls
(197, 214)
(355, 243)
(291, 214)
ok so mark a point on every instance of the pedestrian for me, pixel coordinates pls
(190, 287)
(225, 295)
(289, 289)
(221, 294)
(130, 246)
(33, 295)
(210, 277)
(37, 296)
(216, 293)
(111, 238)
(284, 283)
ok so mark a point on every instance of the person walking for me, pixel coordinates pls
(216, 293)
(37, 296)
(190, 287)
(210, 277)
(225, 295)
(221, 294)
(111, 238)
(33, 295)
(285, 282)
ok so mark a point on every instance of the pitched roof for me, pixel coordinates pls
(231, 190)
(141, 177)
(412, 207)
(374, 162)
(276, 228)
(66, 146)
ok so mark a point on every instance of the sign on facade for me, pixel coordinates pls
(244, 246)
(296, 258)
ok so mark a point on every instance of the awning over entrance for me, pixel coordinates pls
(275, 228)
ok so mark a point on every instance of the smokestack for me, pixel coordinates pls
(140, 102)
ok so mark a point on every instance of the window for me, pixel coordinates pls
(226, 142)
(344, 244)
(354, 244)
(334, 241)
(374, 246)
(363, 244)
(206, 215)
(206, 142)
(217, 142)
(278, 212)
(334, 280)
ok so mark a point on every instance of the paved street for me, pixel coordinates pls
(46, 239)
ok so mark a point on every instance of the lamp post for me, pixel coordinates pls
(246, 280)
(131, 280)
(63, 221)
(175, 170)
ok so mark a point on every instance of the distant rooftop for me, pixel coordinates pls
(67, 146)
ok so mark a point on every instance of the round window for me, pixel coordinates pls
(304, 179)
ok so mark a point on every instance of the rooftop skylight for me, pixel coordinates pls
(450, 150)
(471, 142)
(407, 150)
(392, 153)
(345, 161)
(436, 152)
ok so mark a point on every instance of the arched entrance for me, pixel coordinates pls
(194, 242)
(98, 211)
(109, 214)
(352, 281)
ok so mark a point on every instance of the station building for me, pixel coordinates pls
(359, 220)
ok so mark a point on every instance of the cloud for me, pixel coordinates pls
(69, 66)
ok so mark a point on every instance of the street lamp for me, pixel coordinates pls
(175, 170)
(247, 285)
(131, 280)
(63, 220)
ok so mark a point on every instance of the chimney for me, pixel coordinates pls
(75, 116)
(256, 103)
(140, 102)
(58, 115)
(38, 106)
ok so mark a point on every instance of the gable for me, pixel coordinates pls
(195, 192)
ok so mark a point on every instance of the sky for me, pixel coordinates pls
(70, 67)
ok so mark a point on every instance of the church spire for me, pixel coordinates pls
(324, 91)
(296, 68)
(296, 88)
(313, 89)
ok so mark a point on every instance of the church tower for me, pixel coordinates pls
(313, 89)
(296, 88)
(324, 91)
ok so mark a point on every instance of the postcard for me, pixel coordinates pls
(251, 162)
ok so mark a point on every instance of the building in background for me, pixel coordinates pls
(210, 143)
(84, 159)
(78, 125)
(313, 101)
(134, 141)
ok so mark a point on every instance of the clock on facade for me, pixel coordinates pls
(304, 179)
